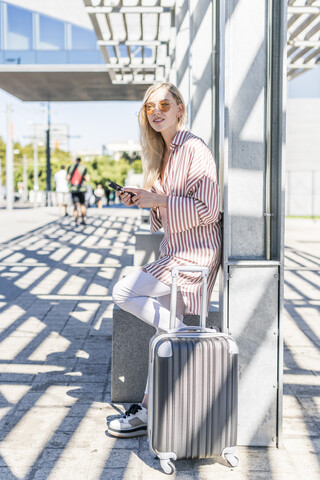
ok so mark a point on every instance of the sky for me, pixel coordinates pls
(91, 124)
(306, 85)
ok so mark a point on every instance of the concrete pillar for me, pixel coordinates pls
(251, 113)
(194, 64)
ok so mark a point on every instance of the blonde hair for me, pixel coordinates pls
(152, 142)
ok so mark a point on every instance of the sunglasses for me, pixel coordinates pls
(163, 106)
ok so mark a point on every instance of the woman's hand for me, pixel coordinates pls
(125, 198)
(143, 198)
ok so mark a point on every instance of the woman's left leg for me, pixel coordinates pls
(141, 294)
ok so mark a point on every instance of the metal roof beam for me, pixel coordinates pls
(302, 10)
(304, 43)
(104, 67)
(143, 53)
(107, 10)
(300, 54)
(133, 82)
(132, 43)
(303, 26)
(300, 65)
(312, 54)
(312, 31)
(99, 33)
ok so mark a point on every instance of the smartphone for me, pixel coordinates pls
(117, 187)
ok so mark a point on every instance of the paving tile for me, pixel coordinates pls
(68, 412)
(116, 474)
(6, 474)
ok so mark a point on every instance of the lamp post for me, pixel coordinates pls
(48, 199)
(9, 160)
(25, 179)
(35, 170)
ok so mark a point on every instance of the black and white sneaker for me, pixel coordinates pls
(132, 424)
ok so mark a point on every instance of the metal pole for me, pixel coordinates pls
(35, 170)
(222, 153)
(267, 212)
(25, 179)
(48, 199)
(313, 193)
(190, 76)
(9, 161)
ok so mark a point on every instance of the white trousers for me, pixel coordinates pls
(147, 298)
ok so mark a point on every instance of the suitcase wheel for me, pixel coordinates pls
(231, 459)
(228, 454)
(167, 466)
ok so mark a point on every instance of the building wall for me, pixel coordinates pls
(303, 134)
(51, 32)
(303, 157)
(306, 85)
(67, 10)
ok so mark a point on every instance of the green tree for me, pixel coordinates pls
(102, 169)
(131, 157)
(137, 166)
(105, 169)
(58, 158)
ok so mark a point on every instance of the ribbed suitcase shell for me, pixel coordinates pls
(193, 394)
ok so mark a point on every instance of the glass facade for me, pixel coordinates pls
(28, 37)
(83, 39)
(51, 34)
(19, 31)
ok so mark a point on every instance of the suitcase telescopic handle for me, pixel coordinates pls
(173, 303)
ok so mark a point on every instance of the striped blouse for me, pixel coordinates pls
(191, 221)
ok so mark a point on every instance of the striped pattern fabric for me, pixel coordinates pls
(191, 221)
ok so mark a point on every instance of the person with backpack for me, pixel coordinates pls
(77, 178)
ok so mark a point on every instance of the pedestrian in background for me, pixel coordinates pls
(62, 190)
(99, 195)
(77, 177)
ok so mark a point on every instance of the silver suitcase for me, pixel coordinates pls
(193, 389)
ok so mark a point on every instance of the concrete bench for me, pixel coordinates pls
(147, 245)
(130, 347)
(145, 215)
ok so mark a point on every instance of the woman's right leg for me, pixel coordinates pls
(148, 299)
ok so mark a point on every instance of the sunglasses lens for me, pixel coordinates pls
(164, 106)
(149, 108)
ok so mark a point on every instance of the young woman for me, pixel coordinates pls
(182, 192)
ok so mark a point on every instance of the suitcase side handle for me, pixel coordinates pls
(173, 303)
